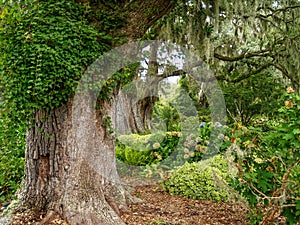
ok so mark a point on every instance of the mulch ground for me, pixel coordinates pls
(161, 208)
(158, 207)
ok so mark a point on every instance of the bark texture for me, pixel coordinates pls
(70, 153)
(133, 115)
(71, 167)
(134, 103)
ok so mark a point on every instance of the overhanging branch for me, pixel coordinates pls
(284, 72)
(180, 72)
(171, 74)
(246, 55)
(246, 75)
(141, 14)
(274, 11)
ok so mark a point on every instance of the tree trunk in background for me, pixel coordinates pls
(70, 162)
(127, 117)
(134, 104)
(133, 115)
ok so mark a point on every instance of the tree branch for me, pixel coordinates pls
(279, 10)
(245, 55)
(246, 75)
(141, 14)
(171, 74)
(284, 72)
(180, 72)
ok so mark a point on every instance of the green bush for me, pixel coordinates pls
(139, 150)
(201, 180)
(204, 143)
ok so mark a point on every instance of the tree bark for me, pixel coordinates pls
(134, 103)
(70, 167)
(70, 162)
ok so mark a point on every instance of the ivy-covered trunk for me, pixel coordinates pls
(70, 152)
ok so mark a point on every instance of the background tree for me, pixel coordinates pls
(243, 42)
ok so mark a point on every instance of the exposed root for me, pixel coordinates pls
(51, 215)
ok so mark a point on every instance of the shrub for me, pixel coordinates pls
(201, 180)
(270, 165)
(205, 143)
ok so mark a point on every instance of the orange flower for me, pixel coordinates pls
(290, 90)
(269, 169)
(288, 104)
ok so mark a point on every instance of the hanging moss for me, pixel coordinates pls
(237, 28)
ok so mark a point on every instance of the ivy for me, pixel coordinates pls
(46, 46)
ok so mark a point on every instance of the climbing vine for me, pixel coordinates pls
(46, 46)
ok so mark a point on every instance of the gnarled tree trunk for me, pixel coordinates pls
(133, 115)
(70, 166)
(70, 162)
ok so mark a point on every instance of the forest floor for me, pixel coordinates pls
(158, 207)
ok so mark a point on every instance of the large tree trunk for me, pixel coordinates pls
(71, 168)
(70, 153)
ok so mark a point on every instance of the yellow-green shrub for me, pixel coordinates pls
(201, 180)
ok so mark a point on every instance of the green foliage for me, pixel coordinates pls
(131, 149)
(201, 180)
(256, 96)
(245, 100)
(205, 142)
(45, 46)
(12, 148)
(270, 166)
(141, 150)
(190, 87)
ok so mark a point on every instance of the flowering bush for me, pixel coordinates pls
(269, 165)
(196, 146)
